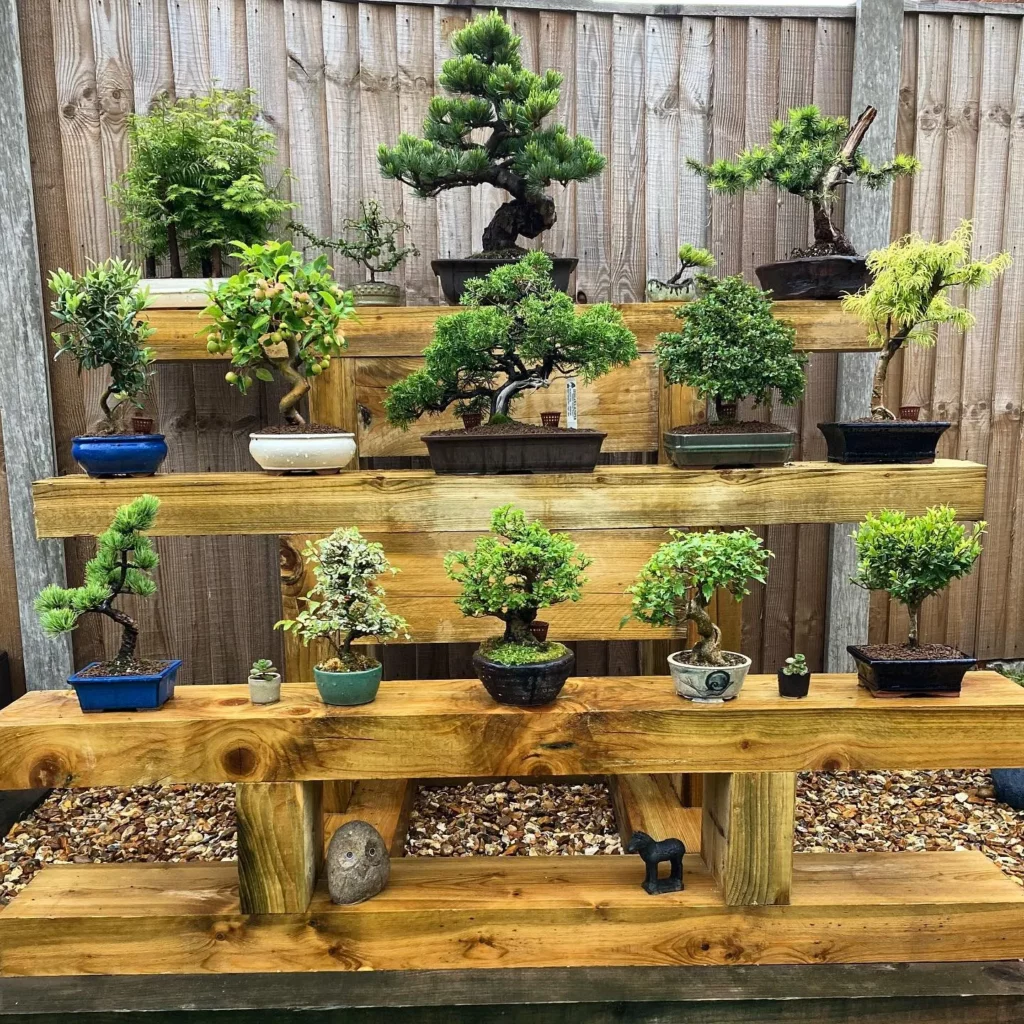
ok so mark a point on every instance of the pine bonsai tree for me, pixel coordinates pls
(913, 557)
(677, 583)
(492, 91)
(518, 334)
(909, 296)
(124, 562)
(812, 157)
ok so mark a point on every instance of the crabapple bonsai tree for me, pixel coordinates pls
(517, 334)
(124, 564)
(680, 578)
(491, 92)
(913, 557)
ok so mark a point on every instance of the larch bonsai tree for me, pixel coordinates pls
(491, 92)
(196, 180)
(278, 315)
(518, 334)
(347, 602)
(100, 326)
(810, 156)
(913, 557)
(124, 564)
(677, 583)
(909, 297)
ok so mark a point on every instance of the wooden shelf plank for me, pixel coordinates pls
(451, 728)
(385, 804)
(410, 501)
(484, 912)
(649, 803)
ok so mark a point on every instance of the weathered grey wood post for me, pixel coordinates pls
(24, 385)
(878, 46)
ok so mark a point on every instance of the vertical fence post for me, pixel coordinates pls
(878, 46)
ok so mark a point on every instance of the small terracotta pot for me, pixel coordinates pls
(910, 412)
(550, 419)
(728, 412)
(539, 629)
(472, 419)
(142, 424)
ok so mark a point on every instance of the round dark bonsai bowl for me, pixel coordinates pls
(557, 451)
(454, 274)
(524, 686)
(882, 441)
(814, 277)
(910, 677)
(794, 686)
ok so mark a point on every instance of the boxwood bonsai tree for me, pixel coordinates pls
(913, 557)
(516, 336)
(491, 92)
(677, 583)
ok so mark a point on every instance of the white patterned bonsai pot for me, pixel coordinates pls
(707, 684)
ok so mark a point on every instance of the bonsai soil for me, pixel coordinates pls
(744, 427)
(821, 249)
(137, 668)
(306, 428)
(511, 428)
(353, 663)
(728, 658)
(901, 652)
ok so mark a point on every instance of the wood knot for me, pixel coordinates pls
(233, 702)
(48, 771)
(239, 762)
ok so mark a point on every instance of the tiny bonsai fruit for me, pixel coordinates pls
(906, 302)
(346, 604)
(264, 682)
(511, 574)
(516, 335)
(911, 558)
(812, 157)
(491, 93)
(731, 347)
(280, 315)
(679, 285)
(100, 327)
(123, 564)
(794, 677)
(676, 586)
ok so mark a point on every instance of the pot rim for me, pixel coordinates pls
(674, 656)
(275, 679)
(837, 257)
(173, 664)
(857, 652)
(535, 665)
(559, 435)
(486, 261)
(908, 425)
(293, 437)
(116, 438)
(350, 672)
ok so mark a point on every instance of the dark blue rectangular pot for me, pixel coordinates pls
(124, 693)
(120, 454)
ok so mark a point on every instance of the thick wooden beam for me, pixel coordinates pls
(385, 804)
(649, 803)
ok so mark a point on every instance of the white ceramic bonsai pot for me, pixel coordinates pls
(376, 293)
(265, 691)
(708, 684)
(302, 453)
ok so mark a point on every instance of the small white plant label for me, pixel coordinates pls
(570, 402)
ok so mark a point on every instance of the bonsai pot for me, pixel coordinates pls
(376, 293)
(724, 449)
(880, 441)
(539, 451)
(454, 274)
(794, 686)
(265, 691)
(524, 686)
(119, 454)
(814, 277)
(124, 693)
(348, 688)
(1009, 786)
(302, 453)
(910, 676)
(708, 684)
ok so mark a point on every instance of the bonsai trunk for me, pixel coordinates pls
(725, 411)
(109, 413)
(914, 610)
(216, 262)
(527, 214)
(827, 234)
(706, 650)
(172, 250)
(511, 391)
(288, 406)
(517, 627)
(879, 411)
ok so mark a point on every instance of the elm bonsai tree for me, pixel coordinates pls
(492, 92)
(518, 334)
(677, 583)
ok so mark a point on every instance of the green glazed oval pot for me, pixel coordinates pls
(347, 688)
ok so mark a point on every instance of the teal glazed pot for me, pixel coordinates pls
(348, 688)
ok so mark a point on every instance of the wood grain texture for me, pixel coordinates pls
(649, 803)
(383, 803)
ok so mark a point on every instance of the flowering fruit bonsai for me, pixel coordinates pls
(511, 574)
(346, 604)
(911, 558)
(676, 586)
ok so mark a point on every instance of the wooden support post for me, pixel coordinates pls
(280, 845)
(747, 835)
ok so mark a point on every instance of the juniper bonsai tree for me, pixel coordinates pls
(517, 335)
(124, 564)
(810, 156)
(909, 296)
(913, 557)
(677, 583)
(491, 91)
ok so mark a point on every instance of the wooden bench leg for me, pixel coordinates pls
(747, 835)
(280, 845)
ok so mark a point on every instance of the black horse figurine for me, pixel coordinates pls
(653, 853)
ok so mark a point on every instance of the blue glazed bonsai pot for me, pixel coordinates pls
(125, 693)
(120, 454)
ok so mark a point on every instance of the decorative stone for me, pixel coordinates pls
(358, 865)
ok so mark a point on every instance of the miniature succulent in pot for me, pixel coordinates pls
(796, 665)
(264, 682)
(263, 669)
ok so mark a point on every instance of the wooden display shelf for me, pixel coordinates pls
(412, 501)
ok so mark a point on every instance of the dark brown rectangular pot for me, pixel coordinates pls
(882, 441)
(453, 274)
(524, 686)
(814, 277)
(927, 677)
(560, 451)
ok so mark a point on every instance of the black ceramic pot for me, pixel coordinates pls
(922, 677)
(814, 277)
(454, 274)
(561, 451)
(524, 686)
(794, 686)
(882, 441)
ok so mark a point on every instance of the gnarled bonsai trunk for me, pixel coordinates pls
(706, 650)
(517, 626)
(288, 406)
(527, 214)
(513, 389)
(129, 637)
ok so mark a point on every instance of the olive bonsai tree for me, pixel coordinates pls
(490, 92)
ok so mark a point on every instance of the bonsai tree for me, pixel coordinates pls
(491, 92)
(690, 257)
(677, 583)
(347, 603)
(100, 326)
(732, 347)
(518, 334)
(812, 157)
(909, 296)
(124, 563)
(913, 557)
(513, 573)
(196, 180)
(281, 315)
